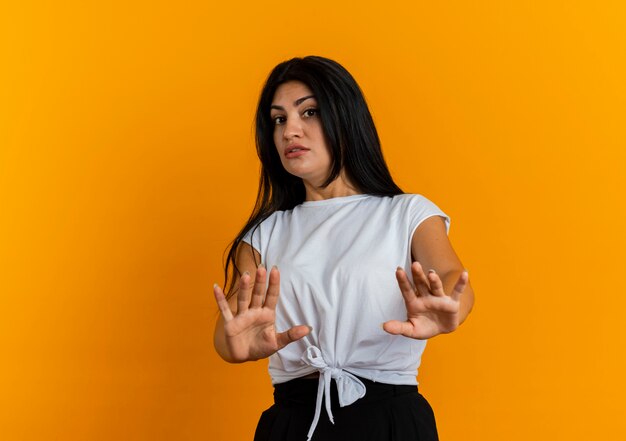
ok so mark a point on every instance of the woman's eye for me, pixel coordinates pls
(278, 120)
(310, 112)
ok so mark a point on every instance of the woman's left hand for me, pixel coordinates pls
(430, 311)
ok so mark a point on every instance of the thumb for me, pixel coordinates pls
(291, 335)
(396, 327)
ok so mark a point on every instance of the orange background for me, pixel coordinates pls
(127, 165)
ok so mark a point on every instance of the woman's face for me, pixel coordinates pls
(298, 133)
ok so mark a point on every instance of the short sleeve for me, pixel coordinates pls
(258, 236)
(420, 209)
(252, 238)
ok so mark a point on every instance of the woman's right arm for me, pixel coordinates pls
(245, 329)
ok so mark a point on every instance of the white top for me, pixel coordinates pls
(337, 260)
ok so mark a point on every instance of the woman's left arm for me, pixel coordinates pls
(441, 297)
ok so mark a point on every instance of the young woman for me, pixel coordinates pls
(367, 273)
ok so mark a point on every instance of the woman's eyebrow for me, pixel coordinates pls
(295, 103)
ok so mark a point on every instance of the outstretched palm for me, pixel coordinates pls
(250, 333)
(430, 311)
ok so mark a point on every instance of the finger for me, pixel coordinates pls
(419, 279)
(222, 303)
(291, 335)
(243, 295)
(460, 285)
(396, 327)
(436, 285)
(258, 291)
(273, 289)
(408, 292)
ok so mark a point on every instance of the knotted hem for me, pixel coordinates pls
(349, 387)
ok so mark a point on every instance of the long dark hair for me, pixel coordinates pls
(349, 132)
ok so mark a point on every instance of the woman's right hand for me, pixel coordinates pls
(250, 333)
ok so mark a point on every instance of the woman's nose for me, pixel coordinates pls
(293, 127)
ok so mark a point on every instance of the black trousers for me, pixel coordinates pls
(386, 413)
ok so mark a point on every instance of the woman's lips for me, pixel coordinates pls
(295, 151)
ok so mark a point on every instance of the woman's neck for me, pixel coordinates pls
(338, 188)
